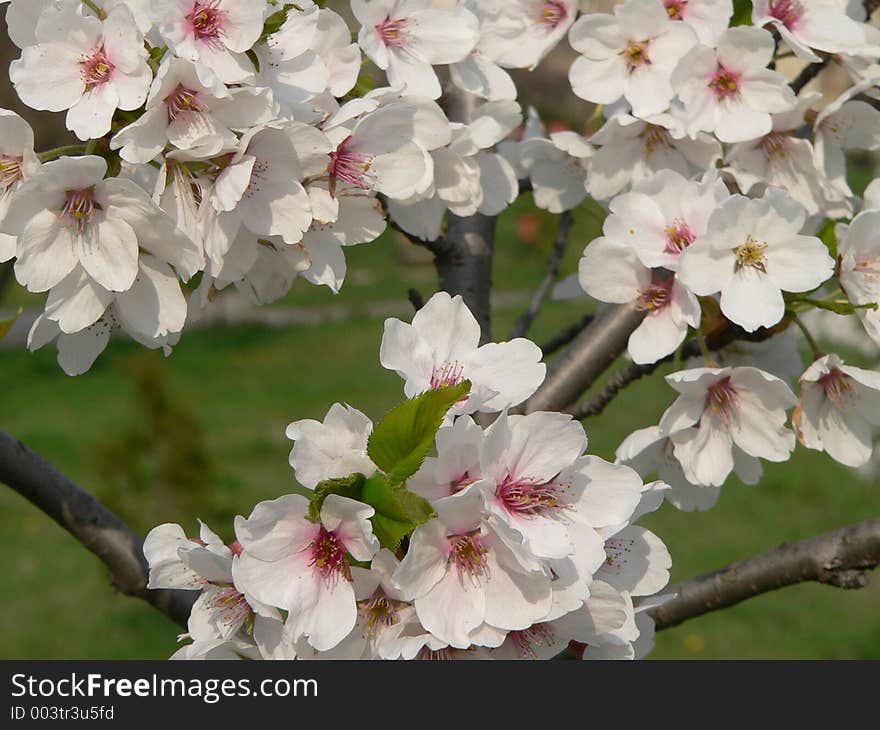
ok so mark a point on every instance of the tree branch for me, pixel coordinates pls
(843, 558)
(809, 73)
(90, 522)
(553, 263)
(590, 353)
(556, 343)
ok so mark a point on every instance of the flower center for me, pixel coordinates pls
(349, 167)
(787, 12)
(10, 171)
(392, 32)
(775, 144)
(678, 237)
(380, 611)
(206, 20)
(838, 388)
(79, 205)
(653, 137)
(461, 483)
(96, 69)
(656, 295)
(183, 101)
(553, 14)
(446, 376)
(235, 547)
(468, 555)
(635, 55)
(721, 399)
(528, 639)
(232, 607)
(526, 498)
(725, 83)
(675, 8)
(328, 556)
(751, 255)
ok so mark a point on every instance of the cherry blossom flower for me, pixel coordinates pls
(630, 149)
(405, 38)
(808, 25)
(462, 572)
(557, 168)
(729, 90)
(317, 591)
(859, 264)
(17, 164)
(839, 407)
(630, 54)
(68, 214)
(87, 66)
(442, 347)
(457, 464)
(708, 18)
(742, 407)
(214, 33)
(332, 449)
(751, 252)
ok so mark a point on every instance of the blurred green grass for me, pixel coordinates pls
(243, 385)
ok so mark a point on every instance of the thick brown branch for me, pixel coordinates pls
(90, 522)
(553, 263)
(557, 342)
(843, 558)
(589, 355)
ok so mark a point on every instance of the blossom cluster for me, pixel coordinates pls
(508, 543)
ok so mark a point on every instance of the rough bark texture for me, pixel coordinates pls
(843, 558)
(91, 523)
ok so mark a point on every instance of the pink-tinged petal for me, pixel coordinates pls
(45, 252)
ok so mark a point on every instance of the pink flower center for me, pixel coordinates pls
(446, 375)
(327, 556)
(79, 205)
(349, 167)
(721, 400)
(528, 639)
(678, 237)
(10, 171)
(553, 14)
(775, 144)
(787, 12)
(380, 611)
(235, 548)
(183, 101)
(206, 21)
(657, 295)
(392, 32)
(725, 84)
(96, 69)
(459, 484)
(468, 555)
(526, 498)
(838, 388)
(675, 8)
(231, 605)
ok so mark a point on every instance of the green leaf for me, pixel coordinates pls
(742, 13)
(349, 486)
(402, 439)
(828, 236)
(398, 511)
(6, 324)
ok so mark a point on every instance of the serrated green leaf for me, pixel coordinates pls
(402, 439)
(6, 324)
(398, 511)
(349, 486)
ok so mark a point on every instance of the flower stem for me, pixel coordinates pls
(94, 8)
(71, 149)
(704, 349)
(811, 341)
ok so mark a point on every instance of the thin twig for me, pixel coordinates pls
(416, 299)
(554, 261)
(809, 73)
